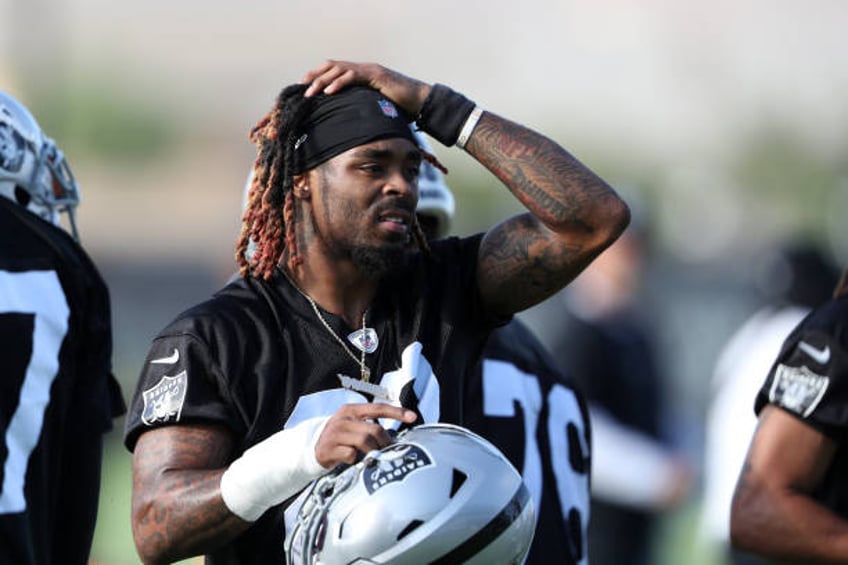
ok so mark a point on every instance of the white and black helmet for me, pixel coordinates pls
(33, 171)
(439, 494)
(434, 196)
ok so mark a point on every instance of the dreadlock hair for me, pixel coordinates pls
(269, 216)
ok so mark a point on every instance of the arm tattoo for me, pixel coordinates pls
(177, 507)
(554, 185)
(573, 216)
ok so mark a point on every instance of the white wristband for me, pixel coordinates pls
(468, 127)
(273, 470)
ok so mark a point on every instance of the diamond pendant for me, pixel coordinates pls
(364, 340)
(365, 374)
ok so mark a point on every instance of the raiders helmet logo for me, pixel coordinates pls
(394, 464)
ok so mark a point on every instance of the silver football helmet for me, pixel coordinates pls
(33, 171)
(435, 199)
(439, 494)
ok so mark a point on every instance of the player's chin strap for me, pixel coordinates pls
(273, 470)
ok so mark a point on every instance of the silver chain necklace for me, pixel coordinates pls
(364, 371)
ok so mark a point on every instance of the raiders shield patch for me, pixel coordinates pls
(393, 465)
(797, 389)
(164, 401)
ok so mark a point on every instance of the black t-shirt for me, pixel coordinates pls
(518, 400)
(613, 360)
(809, 380)
(256, 359)
(57, 392)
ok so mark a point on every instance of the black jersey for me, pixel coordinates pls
(57, 393)
(809, 379)
(520, 401)
(256, 358)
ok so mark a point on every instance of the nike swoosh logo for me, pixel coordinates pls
(171, 359)
(820, 356)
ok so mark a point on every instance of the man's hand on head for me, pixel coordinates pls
(332, 76)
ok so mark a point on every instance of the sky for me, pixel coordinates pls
(666, 90)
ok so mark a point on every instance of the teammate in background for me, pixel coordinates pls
(791, 501)
(794, 280)
(608, 346)
(57, 393)
(345, 324)
(517, 399)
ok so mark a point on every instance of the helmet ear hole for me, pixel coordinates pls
(409, 529)
(22, 196)
(459, 479)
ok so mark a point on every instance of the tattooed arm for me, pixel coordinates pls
(574, 215)
(177, 509)
(773, 512)
(187, 501)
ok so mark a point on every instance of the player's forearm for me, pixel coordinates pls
(574, 215)
(788, 526)
(182, 516)
(554, 186)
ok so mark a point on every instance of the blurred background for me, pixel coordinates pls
(723, 123)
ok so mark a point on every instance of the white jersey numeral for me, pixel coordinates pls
(504, 385)
(572, 486)
(38, 293)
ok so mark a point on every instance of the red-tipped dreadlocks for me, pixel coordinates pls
(268, 219)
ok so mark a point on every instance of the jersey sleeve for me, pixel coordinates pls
(105, 401)
(810, 377)
(179, 383)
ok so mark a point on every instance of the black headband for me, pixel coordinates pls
(347, 119)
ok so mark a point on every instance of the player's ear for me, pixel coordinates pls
(301, 186)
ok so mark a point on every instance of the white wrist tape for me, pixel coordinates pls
(273, 470)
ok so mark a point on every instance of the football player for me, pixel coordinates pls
(57, 393)
(791, 501)
(518, 399)
(345, 324)
(795, 278)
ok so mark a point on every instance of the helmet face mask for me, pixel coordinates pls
(439, 494)
(33, 171)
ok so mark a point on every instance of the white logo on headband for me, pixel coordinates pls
(388, 108)
(300, 141)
